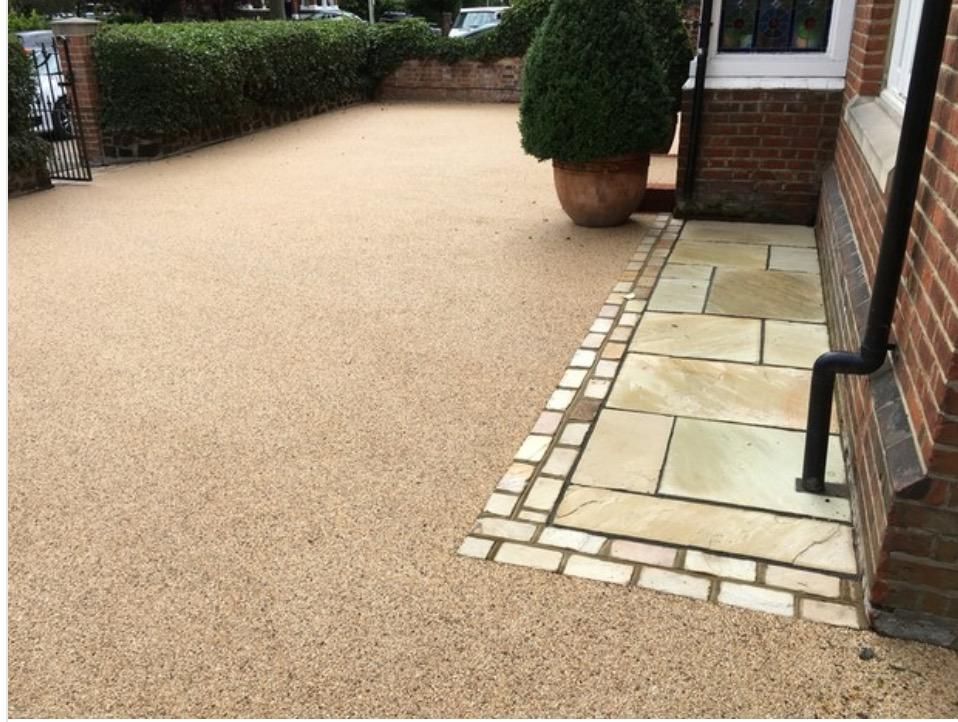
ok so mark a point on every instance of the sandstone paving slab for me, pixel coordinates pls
(783, 295)
(751, 466)
(804, 260)
(684, 295)
(729, 255)
(687, 272)
(744, 393)
(763, 233)
(722, 338)
(808, 543)
(626, 451)
(794, 344)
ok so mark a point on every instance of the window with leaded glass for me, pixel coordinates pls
(769, 26)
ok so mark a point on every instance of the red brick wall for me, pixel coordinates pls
(761, 154)
(467, 80)
(866, 56)
(909, 533)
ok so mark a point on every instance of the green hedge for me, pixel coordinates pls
(180, 77)
(25, 21)
(24, 147)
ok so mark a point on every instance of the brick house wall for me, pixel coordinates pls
(468, 81)
(900, 425)
(762, 153)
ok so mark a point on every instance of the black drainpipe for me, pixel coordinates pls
(891, 257)
(698, 97)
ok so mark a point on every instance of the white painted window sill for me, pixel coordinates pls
(876, 129)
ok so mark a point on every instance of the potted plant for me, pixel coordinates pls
(596, 101)
(674, 47)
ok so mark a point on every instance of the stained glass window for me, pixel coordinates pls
(770, 26)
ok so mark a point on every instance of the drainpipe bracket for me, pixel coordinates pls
(828, 489)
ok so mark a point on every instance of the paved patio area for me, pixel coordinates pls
(667, 457)
(258, 395)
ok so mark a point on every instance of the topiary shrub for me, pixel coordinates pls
(673, 45)
(593, 84)
(25, 149)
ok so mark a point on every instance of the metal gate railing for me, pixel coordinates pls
(54, 112)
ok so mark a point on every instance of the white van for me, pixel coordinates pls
(471, 19)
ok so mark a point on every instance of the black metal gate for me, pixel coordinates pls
(54, 111)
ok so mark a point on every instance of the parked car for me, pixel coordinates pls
(471, 19)
(52, 107)
(325, 13)
(478, 32)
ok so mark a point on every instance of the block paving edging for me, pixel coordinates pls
(515, 526)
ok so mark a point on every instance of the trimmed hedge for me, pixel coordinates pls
(25, 148)
(594, 85)
(181, 77)
(25, 21)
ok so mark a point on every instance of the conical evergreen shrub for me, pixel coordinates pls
(594, 85)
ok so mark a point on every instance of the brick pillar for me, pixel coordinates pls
(78, 34)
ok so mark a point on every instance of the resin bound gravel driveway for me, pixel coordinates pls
(258, 395)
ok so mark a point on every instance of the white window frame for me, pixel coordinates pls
(904, 41)
(831, 63)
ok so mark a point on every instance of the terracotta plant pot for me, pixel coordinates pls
(604, 192)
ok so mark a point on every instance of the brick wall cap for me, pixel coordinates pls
(75, 27)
